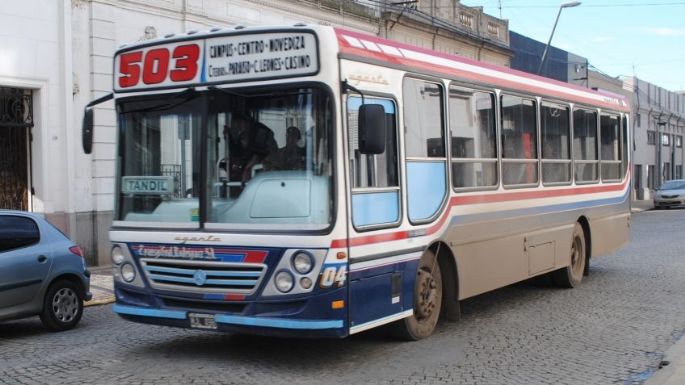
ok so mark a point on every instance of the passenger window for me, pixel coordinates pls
(423, 119)
(585, 145)
(17, 232)
(556, 143)
(474, 138)
(426, 160)
(611, 153)
(624, 145)
(519, 141)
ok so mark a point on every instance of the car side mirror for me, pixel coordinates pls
(372, 129)
(87, 131)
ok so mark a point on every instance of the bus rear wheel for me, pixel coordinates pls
(427, 301)
(571, 275)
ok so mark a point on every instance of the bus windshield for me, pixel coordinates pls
(266, 156)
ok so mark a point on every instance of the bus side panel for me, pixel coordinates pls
(609, 233)
(381, 295)
(497, 253)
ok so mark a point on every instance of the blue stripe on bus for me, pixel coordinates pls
(232, 319)
(279, 322)
(147, 312)
(470, 218)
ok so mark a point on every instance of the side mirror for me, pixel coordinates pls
(372, 129)
(87, 131)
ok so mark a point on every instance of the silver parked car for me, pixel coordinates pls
(671, 193)
(42, 272)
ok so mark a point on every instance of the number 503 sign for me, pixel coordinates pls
(333, 275)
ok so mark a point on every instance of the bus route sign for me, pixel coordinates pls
(220, 59)
(247, 57)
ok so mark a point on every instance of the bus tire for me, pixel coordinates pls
(571, 275)
(427, 301)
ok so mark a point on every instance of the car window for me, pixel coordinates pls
(673, 185)
(17, 232)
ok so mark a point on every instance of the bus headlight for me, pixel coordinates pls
(117, 255)
(128, 273)
(284, 281)
(303, 262)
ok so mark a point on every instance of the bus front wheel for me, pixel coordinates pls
(427, 300)
(571, 275)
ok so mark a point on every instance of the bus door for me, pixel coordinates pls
(375, 198)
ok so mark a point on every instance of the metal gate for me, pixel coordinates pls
(16, 120)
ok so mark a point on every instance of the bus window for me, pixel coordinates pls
(585, 145)
(519, 141)
(474, 138)
(425, 148)
(159, 162)
(624, 144)
(556, 143)
(374, 177)
(611, 154)
(268, 158)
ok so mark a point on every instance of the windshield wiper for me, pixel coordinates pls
(186, 95)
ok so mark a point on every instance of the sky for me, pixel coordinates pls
(618, 37)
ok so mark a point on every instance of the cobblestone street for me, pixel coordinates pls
(613, 329)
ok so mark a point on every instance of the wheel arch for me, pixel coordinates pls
(585, 224)
(450, 280)
(70, 277)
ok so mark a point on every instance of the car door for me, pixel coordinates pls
(24, 260)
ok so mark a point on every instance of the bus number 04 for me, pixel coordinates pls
(333, 275)
(155, 65)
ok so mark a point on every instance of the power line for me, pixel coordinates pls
(601, 5)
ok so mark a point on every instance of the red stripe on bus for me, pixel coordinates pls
(255, 256)
(369, 239)
(234, 297)
(475, 199)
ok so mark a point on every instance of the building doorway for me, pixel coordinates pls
(16, 121)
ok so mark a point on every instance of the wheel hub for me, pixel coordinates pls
(426, 296)
(65, 305)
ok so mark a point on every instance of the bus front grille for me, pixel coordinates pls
(209, 277)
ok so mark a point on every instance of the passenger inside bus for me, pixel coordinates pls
(289, 157)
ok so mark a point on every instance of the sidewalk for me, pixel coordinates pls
(642, 205)
(101, 286)
(674, 372)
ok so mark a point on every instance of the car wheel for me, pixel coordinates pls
(62, 306)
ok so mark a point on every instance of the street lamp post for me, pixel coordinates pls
(544, 53)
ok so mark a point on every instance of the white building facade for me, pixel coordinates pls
(658, 130)
(56, 56)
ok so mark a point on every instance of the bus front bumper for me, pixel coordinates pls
(283, 327)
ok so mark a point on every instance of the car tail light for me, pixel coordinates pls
(76, 250)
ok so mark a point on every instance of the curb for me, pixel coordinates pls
(674, 372)
(97, 302)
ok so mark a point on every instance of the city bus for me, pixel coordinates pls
(312, 181)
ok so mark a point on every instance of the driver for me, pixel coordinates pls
(249, 143)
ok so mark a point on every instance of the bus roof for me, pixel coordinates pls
(363, 47)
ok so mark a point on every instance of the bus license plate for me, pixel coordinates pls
(202, 321)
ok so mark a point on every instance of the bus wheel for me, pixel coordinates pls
(427, 301)
(570, 276)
